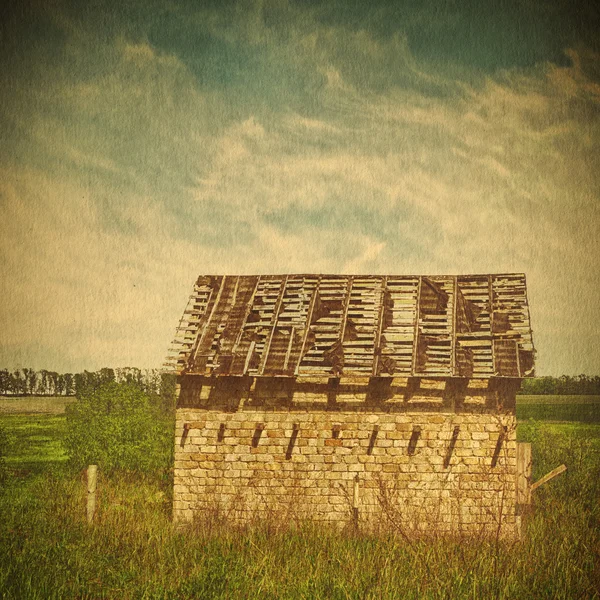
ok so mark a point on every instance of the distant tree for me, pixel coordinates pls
(152, 380)
(42, 387)
(56, 383)
(563, 385)
(547, 385)
(104, 376)
(79, 383)
(5, 382)
(19, 382)
(69, 383)
(132, 375)
(584, 384)
(32, 378)
(85, 381)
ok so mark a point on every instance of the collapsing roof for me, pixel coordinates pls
(356, 326)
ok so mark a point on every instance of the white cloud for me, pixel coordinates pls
(361, 263)
(153, 181)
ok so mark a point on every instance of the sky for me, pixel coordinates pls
(145, 143)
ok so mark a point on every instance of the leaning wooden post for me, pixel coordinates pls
(548, 477)
(92, 476)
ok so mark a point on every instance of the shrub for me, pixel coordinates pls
(118, 427)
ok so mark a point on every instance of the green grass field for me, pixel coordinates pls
(34, 442)
(585, 409)
(132, 551)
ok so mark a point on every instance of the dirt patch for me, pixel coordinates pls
(54, 405)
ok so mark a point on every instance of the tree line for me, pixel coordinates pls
(562, 386)
(29, 382)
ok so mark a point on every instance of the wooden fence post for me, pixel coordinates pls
(92, 476)
(355, 501)
(523, 473)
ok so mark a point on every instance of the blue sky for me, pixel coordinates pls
(145, 143)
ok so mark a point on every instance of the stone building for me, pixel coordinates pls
(362, 401)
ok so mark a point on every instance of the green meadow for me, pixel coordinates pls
(34, 442)
(48, 551)
(584, 409)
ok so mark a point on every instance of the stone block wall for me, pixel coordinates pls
(346, 458)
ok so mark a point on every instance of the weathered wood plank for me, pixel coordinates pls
(560, 469)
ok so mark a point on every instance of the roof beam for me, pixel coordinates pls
(212, 312)
(376, 348)
(273, 325)
(248, 310)
(453, 332)
(416, 334)
(308, 319)
(491, 293)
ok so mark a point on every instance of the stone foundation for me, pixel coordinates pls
(424, 459)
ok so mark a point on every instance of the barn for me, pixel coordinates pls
(377, 402)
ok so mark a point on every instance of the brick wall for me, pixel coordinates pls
(407, 459)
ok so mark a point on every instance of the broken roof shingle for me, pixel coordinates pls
(356, 326)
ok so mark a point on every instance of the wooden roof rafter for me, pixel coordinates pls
(273, 325)
(204, 333)
(309, 314)
(459, 325)
(416, 333)
(377, 345)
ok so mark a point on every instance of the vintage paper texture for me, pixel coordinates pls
(145, 144)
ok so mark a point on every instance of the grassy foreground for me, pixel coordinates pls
(132, 551)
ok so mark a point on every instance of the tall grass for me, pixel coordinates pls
(47, 550)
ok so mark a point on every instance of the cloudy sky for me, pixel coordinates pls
(144, 143)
